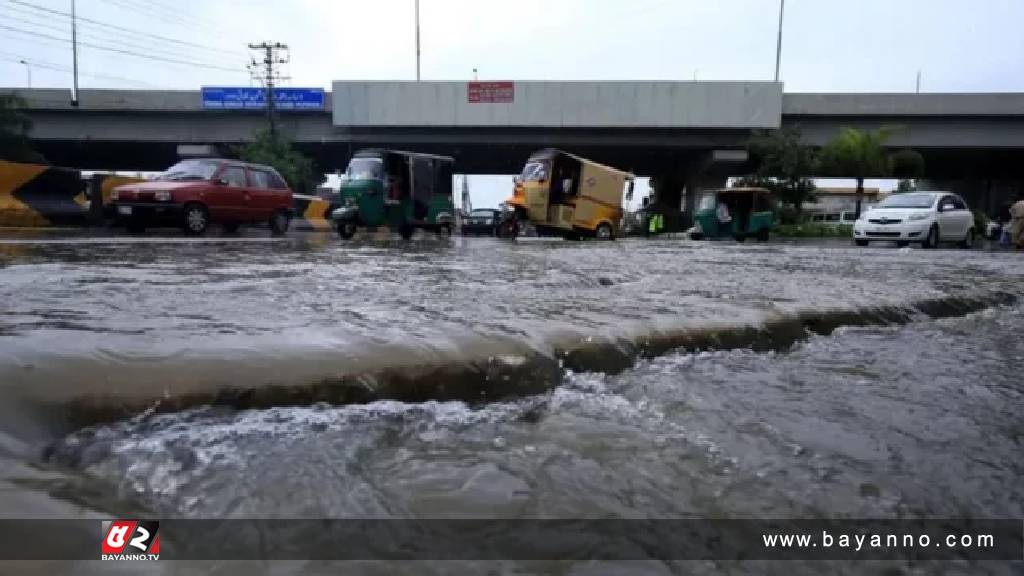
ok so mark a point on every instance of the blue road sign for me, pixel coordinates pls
(249, 98)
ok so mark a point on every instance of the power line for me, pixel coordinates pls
(172, 16)
(145, 35)
(17, 59)
(96, 36)
(125, 52)
(200, 21)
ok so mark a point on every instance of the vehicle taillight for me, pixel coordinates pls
(114, 194)
(162, 196)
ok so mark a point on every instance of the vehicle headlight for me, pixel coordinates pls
(114, 195)
(918, 216)
(162, 196)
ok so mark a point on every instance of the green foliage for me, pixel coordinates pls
(14, 128)
(784, 166)
(858, 154)
(277, 151)
(906, 163)
(813, 230)
(981, 221)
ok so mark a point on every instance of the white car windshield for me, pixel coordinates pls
(481, 214)
(907, 201)
(190, 170)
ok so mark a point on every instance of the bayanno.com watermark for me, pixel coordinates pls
(130, 540)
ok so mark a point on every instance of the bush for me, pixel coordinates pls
(980, 222)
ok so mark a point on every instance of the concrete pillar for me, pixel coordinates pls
(678, 185)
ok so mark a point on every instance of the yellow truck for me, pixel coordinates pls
(567, 195)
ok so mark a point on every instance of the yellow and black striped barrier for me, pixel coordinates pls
(34, 195)
(312, 213)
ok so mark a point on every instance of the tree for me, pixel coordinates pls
(275, 150)
(858, 154)
(906, 164)
(784, 166)
(14, 129)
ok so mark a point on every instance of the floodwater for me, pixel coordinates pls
(915, 420)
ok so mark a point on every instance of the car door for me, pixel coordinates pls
(262, 202)
(964, 216)
(949, 221)
(229, 195)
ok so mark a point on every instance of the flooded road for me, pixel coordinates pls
(909, 420)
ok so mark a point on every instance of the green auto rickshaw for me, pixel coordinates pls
(401, 190)
(737, 212)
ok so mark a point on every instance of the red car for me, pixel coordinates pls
(192, 194)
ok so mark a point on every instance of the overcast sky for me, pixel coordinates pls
(828, 45)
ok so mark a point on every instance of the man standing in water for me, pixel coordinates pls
(1017, 221)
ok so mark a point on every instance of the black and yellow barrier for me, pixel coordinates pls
(34, 195)
(312, 213)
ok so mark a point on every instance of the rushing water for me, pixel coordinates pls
(917, 420)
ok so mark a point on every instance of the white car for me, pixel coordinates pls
(925, 217)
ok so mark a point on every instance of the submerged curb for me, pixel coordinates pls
(523, 372)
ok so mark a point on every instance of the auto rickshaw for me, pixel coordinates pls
(401, 190)
(750, 211)
(565, 195)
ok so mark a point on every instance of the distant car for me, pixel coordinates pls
(193, 194)
(482, 221)
(925, 217)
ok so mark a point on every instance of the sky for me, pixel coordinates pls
(828, 45)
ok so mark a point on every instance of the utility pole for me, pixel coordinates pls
(74, 54)
(917, 90)
(778, 45)
(264, 71)
(417, 40)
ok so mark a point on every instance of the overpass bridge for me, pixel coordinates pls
(681, 133)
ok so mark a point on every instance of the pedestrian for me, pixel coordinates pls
(724, 218)
(1017, 221)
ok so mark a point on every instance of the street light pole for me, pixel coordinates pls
(74, 54)
(778, 45)
(417, 40)
(28, 72)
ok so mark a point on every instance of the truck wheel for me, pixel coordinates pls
(860, 242)
(346, 230)
(604, 231)
(279, 223)
(196, 219)
(740, 237)
(406, 231)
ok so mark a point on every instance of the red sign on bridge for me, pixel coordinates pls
(490, 92)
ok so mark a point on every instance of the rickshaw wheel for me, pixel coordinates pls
(406, 231)
(510, 229)
(346, 230)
